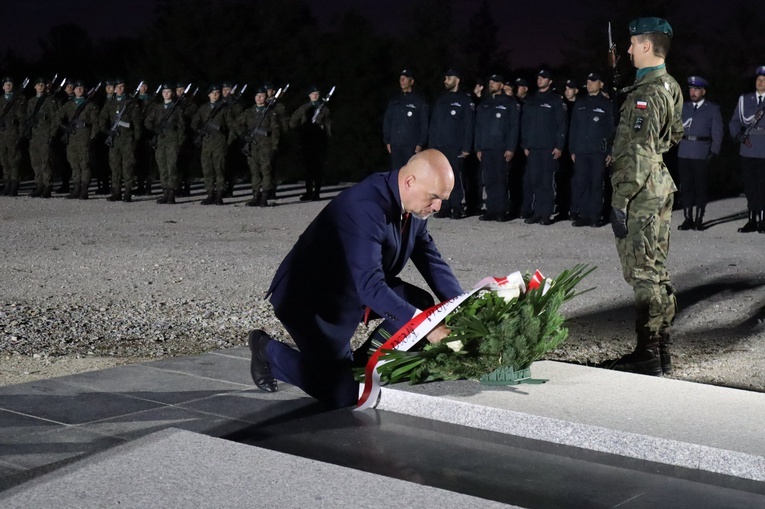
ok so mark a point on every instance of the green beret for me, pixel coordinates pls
(642, 26)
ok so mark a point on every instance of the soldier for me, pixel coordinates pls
(188, 156)
(590, 144)
(261, 128)
(13, 108)
(405, 124)
(703, 126)
(543, 137)
(144, 158)
(496, 140)
(651, 122)
(284, 126)
(80, 118)
(236, 165)
(122, 139)
(60, 163)
(167, 121)
(315, 130)
(211, 123)
(100, 155)
(451, 132)
(40, 129)
(748, 115)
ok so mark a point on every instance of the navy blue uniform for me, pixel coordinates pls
(451, 132)
(497, 128)
(752, 157)
(590, 141)
(544, 129)
(405, 126)
(703, 127)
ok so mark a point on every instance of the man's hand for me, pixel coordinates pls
(417, 149)
(438, 334)
(526, 151)
(556, 153)
(464, 154)
(508, 156)
(573, 158)
(608, 160)
(478, 155)
(619, 223)
(388, 147)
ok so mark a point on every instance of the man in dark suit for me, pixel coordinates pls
(347, 263)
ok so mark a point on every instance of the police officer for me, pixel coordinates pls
(167, 121)
(261, 127)
(212, 123)
(451, 132)
(13, 110)
(650, 123)
(521, 89)
(543, 138)
(405, 124)
(40, 129)
(567, 205)
(703, 127)
(748, 114)
(314, 130)
(121, 119)
(590, 142)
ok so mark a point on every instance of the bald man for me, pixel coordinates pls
(344, 269)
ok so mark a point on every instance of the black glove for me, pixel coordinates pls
(619, 223)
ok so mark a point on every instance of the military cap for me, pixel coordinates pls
(572, 84)
(118, 81)
(167, 86)
(40, 80)
(261, 90)
(213, 87)
(180, 84)
(227, 84)
(497, 77)
(761, 70)
(109, 82)
(269, 85)
(641, 26)
(8, 79)
(520, 82)
(78, 83)
(697, 82)
(407, 72)
(313, 88)
(594, 76)
(453, 72)
(545, 74)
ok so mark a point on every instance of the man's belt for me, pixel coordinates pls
(697, 138)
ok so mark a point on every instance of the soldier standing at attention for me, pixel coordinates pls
(284, 127)
(405, 124)
(260, 126)
(167, 121)
(314, 140)
(701, 141)
(80, 117)
(451, 132)
(144, 160)
(123, 139)
(211, 124)
(188, 157)
(752, 150)
(651, 122)
(41, 110)
(13, 111)
(100, 155)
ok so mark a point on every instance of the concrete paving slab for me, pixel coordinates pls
(179, 469)
(216, 367)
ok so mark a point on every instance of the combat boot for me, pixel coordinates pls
(688, 223)
(171, 196)
(14, 191)
(665, 341)
(255, 200)
(6, 187)
(75, 193)
(83, 192)
(162, 199)
(698, 225)
(263, 200)
(128, 196)
(46, 192)
(209, 200)
(751, 225)
(218, 199)
(761, 221)
(116, 194)
(644, 360)
(37, 192)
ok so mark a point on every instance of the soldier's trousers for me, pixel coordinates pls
(399, 155)
(587, 185)
(78, 155)
(10, 156)
(122, 163)
(458, 193)
(213, 158)
(494, 172)
(643, 255)
(261, 171)
(753, 176)
(693, 182)
(167, 162)
(539, 182)
(39, 157)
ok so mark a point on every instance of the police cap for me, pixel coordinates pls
(407, 72)
(572, 84)
(641, 26)
(594, 76)
(697, 82)
(544, 73)
(213, 88)
(521, 82)
(761, 70)
(497, 77)
(453, 72)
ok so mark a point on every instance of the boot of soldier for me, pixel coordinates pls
(315, 195)
(116, 195)
(83, 192)
(209, 200)
(75, 193)
(665, 341)
(46, 192)
(751, 225)
(128, 196)
(171, 196)
(6, 187)
(148, 188)
(761, 221)
(14, 191)
(255, 200)
(218, 198)
(263, 201)
(162, 199)
(644, 360)
(688, 223)
(698, 224)
(37, 192)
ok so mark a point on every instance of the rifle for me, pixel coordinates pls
(156, 93)
(74, 121)
(9, 105)
(257, 130)
(114, 130)
(613, 61)
(33, 121)
(205, 129)
(323, 102)
(239, 95)
(743, 136)
(161, 126)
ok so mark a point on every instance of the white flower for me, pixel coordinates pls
(509, 293)
(512, 288)
(455, 345)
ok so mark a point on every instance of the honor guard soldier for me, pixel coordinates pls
(212, 123)
(168, 123)
(188, 157)
(79, 117)
(496, 140)
(314, 124)
(590, 142)
(121, 119)
(748, 128)
(235, 165)
(40, 129)
(650, 124)
(451, 132)
(13, 112)
(100, 152)
(543, 138)
(144, 158)
(405, 124)
(260, 127)
(701, 141)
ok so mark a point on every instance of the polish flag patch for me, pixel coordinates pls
(641, 105)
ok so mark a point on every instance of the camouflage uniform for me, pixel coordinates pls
(171, 132)
(314, 142)
(81, 132)
(262, 148)
(122, 152)
(13, 109)
(214, 143)
(41, 111)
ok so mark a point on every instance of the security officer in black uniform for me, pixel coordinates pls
(451, 132)
(405, 124)
(590, 142)
(543, 137)
(702, 138)
(496, 141)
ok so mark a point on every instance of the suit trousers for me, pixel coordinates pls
(753, 176)
(399, 155)
(587, 185)
(458, 193)
(693, 182)
(494, 171)
(539, 182)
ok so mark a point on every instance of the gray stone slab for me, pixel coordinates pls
(6, 470)
(183, 469)
(64, 403)
(152, 384)
(13, 423)
(232, 369)
(241, 352)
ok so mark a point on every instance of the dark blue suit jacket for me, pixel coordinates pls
(347, 257)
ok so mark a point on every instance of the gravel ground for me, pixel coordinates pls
(91, 284)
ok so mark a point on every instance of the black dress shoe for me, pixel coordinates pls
(546, 221)
(582, 221)
(457, 214)
(487, 216)
(260, 369)
(532, 220)
(442, 213)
